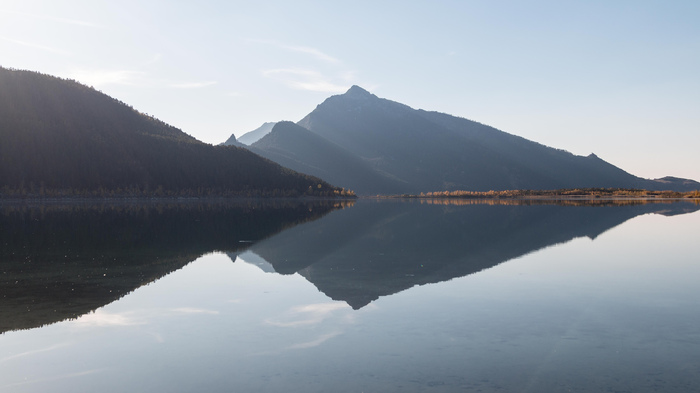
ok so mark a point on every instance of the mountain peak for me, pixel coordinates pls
(358, 92)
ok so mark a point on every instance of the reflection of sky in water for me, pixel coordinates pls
(619, 312)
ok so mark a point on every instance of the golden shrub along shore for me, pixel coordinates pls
(583, 193)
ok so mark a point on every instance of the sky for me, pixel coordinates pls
(620, 79)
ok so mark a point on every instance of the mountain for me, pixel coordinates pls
(293, 146)
(231, 141)
(412, 151)
(59, 137)
(379, 248)
(253, 136)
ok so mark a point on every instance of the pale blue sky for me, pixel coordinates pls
(617, 78)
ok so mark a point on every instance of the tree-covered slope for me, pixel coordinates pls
(58, 137)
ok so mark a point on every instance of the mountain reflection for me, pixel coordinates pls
(62, 261)
(381, 248)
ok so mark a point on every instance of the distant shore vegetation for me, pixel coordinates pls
(588, 193)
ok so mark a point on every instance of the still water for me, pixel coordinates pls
(392, 296)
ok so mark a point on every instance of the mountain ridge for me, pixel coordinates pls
(253, 136)
(423, 151)
(309, 153)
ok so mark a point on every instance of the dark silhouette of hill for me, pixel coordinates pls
(415, 151)
(60, 262)
(253, 136)
(58, 137)
(380, 248)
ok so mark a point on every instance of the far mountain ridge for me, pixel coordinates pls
(411, 151)
(251, 137)
(232, 141)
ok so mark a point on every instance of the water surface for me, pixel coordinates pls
(377, 296)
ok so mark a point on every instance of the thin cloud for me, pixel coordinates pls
(314, 52)
(189, 310)
(311, 314)
(304, 345)
(305, 80)
(74, 22)
(315, 343)
(319, 86)
(36, 46)
(103, 77)
(30, 353)
(107, 77)
(101, 318)
(193, 85)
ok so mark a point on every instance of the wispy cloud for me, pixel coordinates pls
(36, 46)
(314, 343)
(101, 318)
(189, 310)
(193, 85)
(51, 18)
(130, 77)
(303, 345)
(311, 314)
(314, 52)
(29, 353)
(305, 80)
(333, 80)
(107, 77)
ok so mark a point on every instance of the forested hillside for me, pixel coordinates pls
(59, 137)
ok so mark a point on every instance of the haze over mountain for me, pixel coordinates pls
(293, 146)
(252, 136)
(232, 141)
(59, 137)
(376, 146)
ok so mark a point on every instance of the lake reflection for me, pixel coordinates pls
(612, 307)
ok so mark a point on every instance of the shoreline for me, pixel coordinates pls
(140, 200)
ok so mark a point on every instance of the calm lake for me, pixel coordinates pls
(362, 296)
